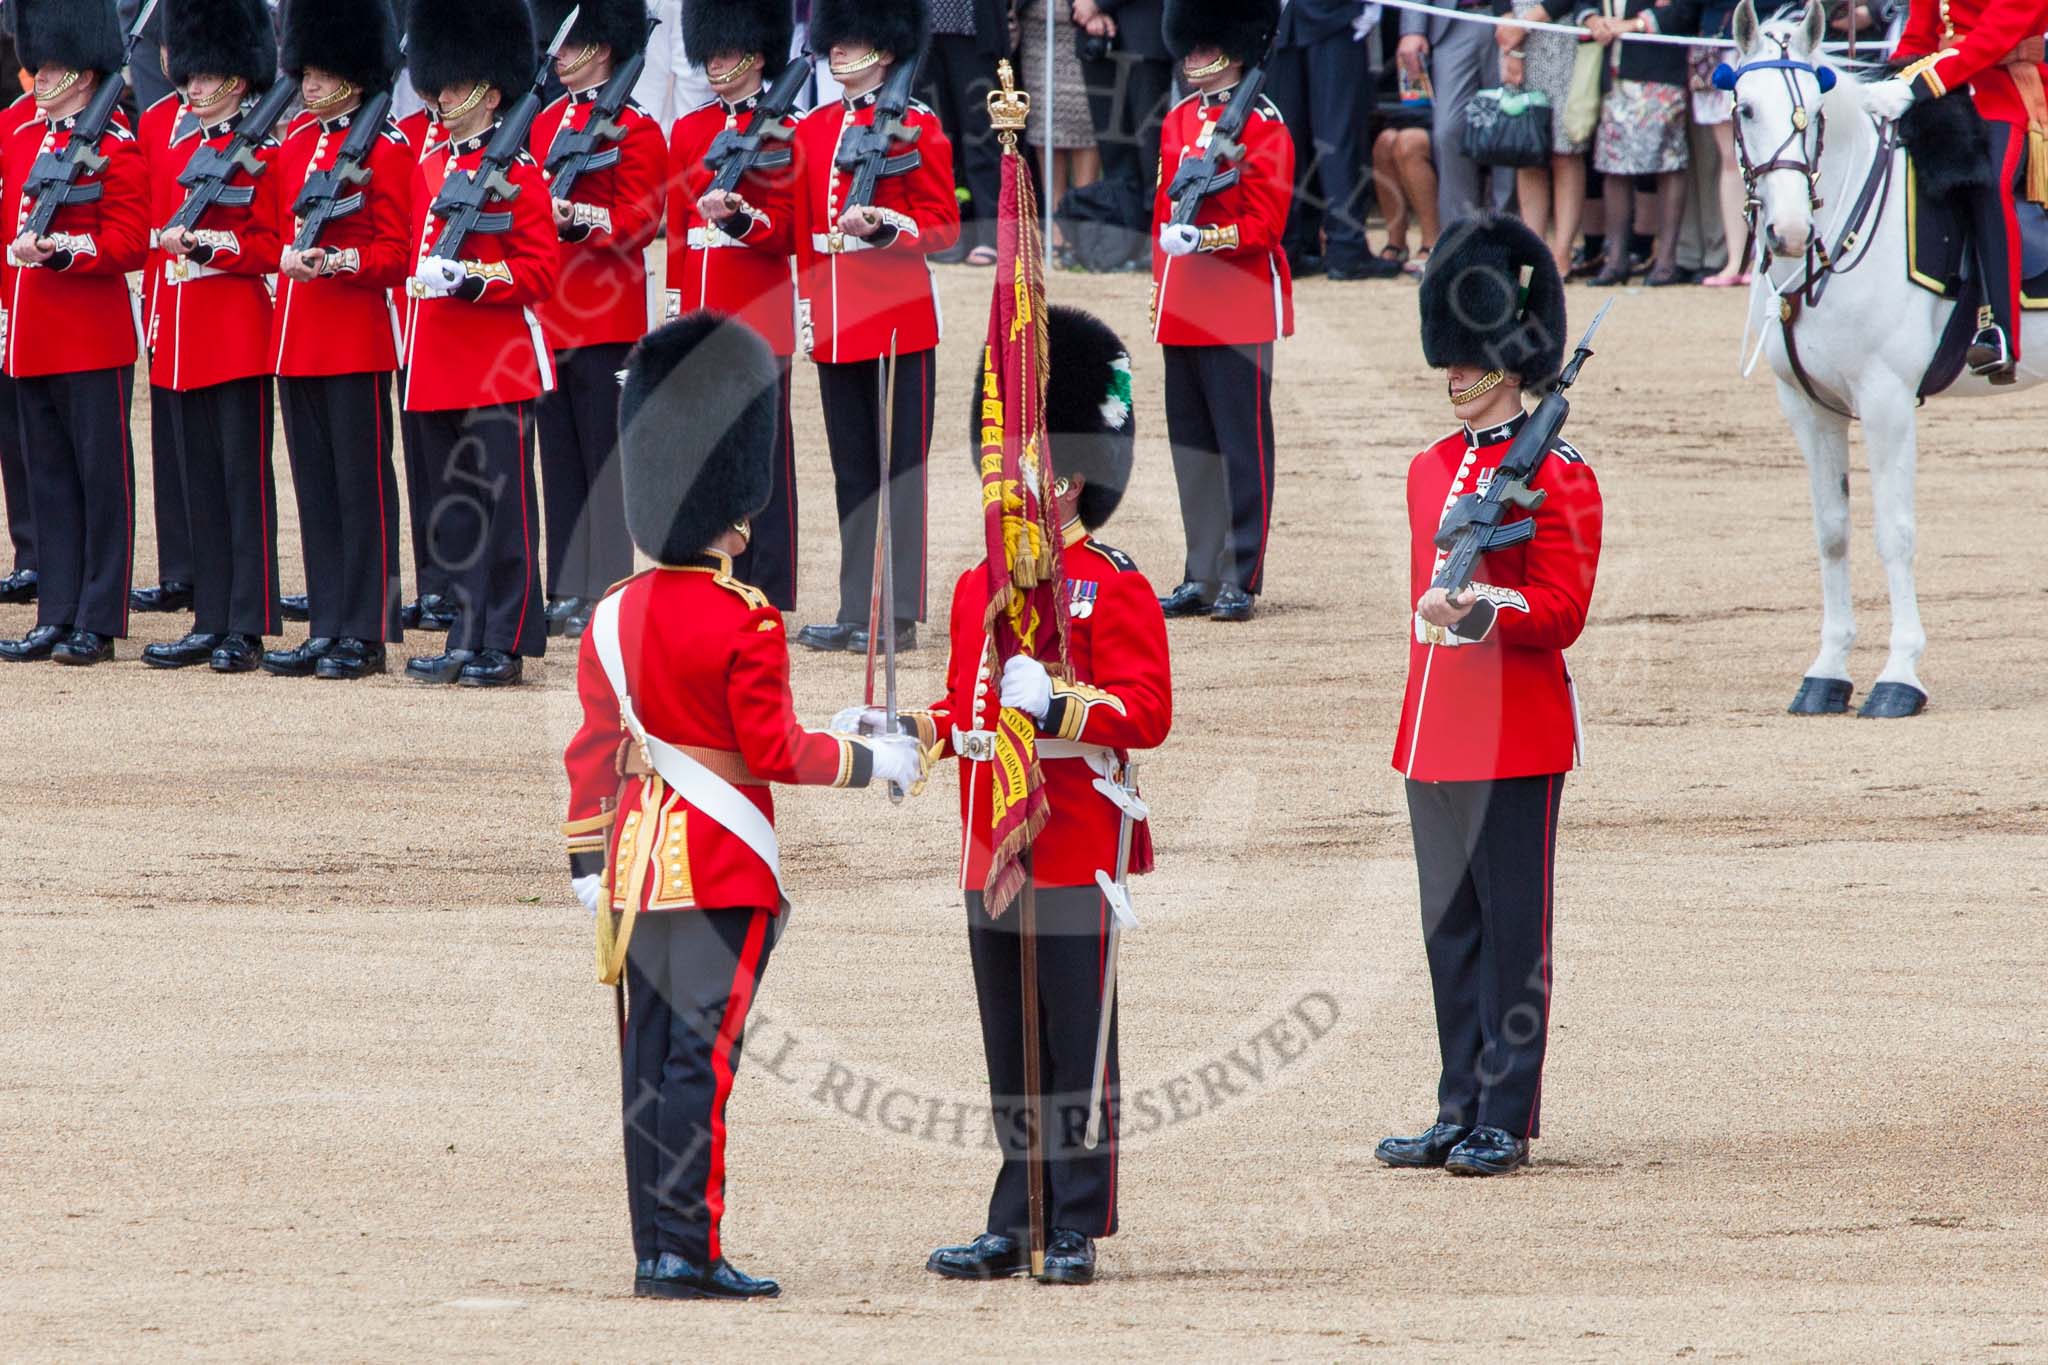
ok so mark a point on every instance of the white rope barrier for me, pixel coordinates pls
(1833, 47)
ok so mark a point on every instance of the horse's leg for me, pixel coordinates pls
(1824, 440)
(1891, 431)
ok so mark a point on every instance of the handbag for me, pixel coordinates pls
(1582, 99)
(1507, 126)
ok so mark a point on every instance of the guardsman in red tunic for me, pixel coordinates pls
(476, 358)
(332, 343)
(70, 345)
(1993, 50)
(599, 310)
(1221, 298)
(431, 609)
(20, 583)
(687, 719)
(158, 129)
(866, 284)
(210, 343)
(1120, 701)
(1489, 724)
(733, 253)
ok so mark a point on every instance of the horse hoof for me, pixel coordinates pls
(1893, 701)
(1822, 697)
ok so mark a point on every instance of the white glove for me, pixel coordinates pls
(589, 890)
(899, 760)
(1027, 687)
(1888, 99)
(1180, 239)
(438, 278)
(847, 722)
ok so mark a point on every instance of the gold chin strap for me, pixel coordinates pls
(719, 82)
(857, 65)
(583, 59)
(1217, 67)
(476, 97)
(227, 92)
(745, 527)
(341, 92)
(1487, 383)
(70, 79)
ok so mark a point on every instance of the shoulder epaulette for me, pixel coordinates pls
(1123, 562)
(1566, 451)
(747, 592)
(1270, 110)
(394, 133)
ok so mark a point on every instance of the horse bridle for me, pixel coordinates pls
(1788, 68)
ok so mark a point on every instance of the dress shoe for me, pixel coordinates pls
(1371, 268)
(351, 658)
(84, 647)
(440, 668)
(1233, 604)
(295, 607)
(906, 638)
(237, 654)
(194, 648)
(643, 1271)
(39, 643)
(560, 609)
(1488, 1151)
(675, 1278)
(166, 596)
(1189, 599)
(578, 620)
(18, 587)
(988, 1257)
(1427, 1150)
(1990, 355)
(1069, 1258)
(491, 668)
(430, 612)
(299, 662)
(1303, 264)
(832, 639)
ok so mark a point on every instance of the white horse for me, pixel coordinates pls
(1829, 179)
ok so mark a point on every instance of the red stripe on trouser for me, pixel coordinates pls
(380, 460)
(2015, 269)
(525, 540)
(1261, 401)
(1108, 1098)
(1549, 858)
(128, 482)
(737, 1002)
(273, 619)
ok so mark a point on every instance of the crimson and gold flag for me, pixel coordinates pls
(1026, 613)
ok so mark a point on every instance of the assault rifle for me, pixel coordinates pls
(1208, 173)
(733, 154)
(322, 201)
(864, 151)
(462, 198)
(1475, 525)
(576, 151)
(53, 179)
(206, 175)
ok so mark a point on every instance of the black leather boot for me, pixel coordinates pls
(988, 1257)
(237, 654)
(1069, 1258)
(295, 607)
(298, 662)
(1425, 1150)
(1488, 1151)
(832, 639)
(1189, 599)
(18, 587)
(194, 648)
(351, 658)
(39, 643)
(440, 668)
(83, 648)
(491, 668)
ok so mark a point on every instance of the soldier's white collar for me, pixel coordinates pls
(1476, 437)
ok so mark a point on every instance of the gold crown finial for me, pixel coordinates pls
(1009, 109)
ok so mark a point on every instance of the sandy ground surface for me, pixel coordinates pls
(303, 1059)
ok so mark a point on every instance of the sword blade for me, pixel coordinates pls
(1117, 891)
(888, 539)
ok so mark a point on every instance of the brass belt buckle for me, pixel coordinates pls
(976, 746)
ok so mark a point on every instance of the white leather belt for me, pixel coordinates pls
(979, 746)
(704, 239)
(837, 243)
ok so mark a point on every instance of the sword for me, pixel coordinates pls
(1117, 891)
(882, 589)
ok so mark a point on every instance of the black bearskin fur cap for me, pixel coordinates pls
(220, 38)
(1089, 420)
(711, 27)
(1473, 310)
(83, 35)
(620, 25)
(455, 42)
(356, 40)
(697, 425)
(1950, 146)
(1240, 28)
(898, 27)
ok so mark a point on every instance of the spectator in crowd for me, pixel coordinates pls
(670, 86)
(1404, 174)
(1460, 60)
(1321, 79)
(1642, 126)
(1075, 160)
(1553, 197)
(1129, 75)
(968, 38)
(146, 78)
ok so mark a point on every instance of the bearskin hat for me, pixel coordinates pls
(356, 40)
(1242, 29)
(1089, 420)
(1476, 309)
(83, 35)
(898, 27)
(620, 25)
(711, 27)
(697, 426)
(456, 42)
(220, 38)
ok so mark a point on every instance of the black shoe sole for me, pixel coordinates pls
(1078, 1276)
(1406, 1163)
(824, 647)
(677, 1289)
(170, 664)
(277, 672)
(431, 679)
(466, 681)
(977, 1276)
(84, 660)
(249, 667)
(1469, 1167)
